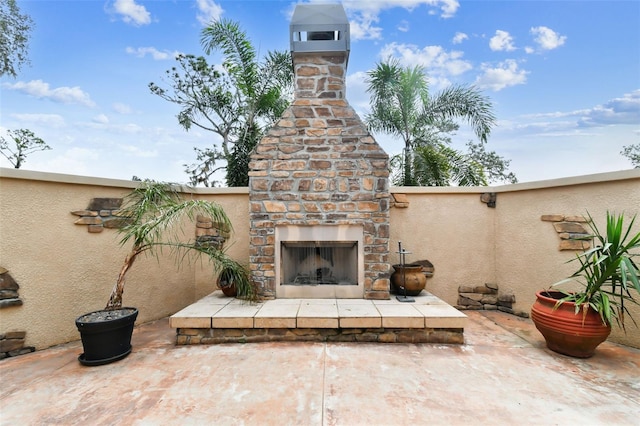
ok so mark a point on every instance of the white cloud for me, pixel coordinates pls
(121, 108)
(111, 128)
(403, 26)
(449, 8)
(48, 120)
(362, 27)
(501, 41)
(134, 151)
(540, 128)
(76, 161)
(209, 11)
(624, 110)
(459, 38)
(438, 63)
(506, 74)
(41, 90)
(156, 54)
(101, 119)
(132, 13)
(546, 38)
(364, 15)
(357, 92)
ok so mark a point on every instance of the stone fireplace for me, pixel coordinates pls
(318, 181)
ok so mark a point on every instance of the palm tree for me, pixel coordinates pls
(440, 165)
(151, 216)
(402, 106)
(238, 103)
(263, 91)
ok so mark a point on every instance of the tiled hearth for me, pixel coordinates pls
(220, 319)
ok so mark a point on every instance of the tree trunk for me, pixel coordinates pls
(408, 168)
(115, 300)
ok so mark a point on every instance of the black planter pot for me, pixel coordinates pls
(106, 335)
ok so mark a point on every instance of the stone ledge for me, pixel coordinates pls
(399, 201)
(5, 303)
(203, 336)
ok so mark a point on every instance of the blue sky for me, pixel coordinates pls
(564, 77)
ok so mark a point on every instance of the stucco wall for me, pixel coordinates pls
(453, 230)
(527, 248)
(509, 245)
(64, 271)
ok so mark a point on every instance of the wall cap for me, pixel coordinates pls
(621, 175)
(10, 173)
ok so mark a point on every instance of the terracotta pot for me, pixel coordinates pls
(563, 330)
(409, 276)
(228, 287)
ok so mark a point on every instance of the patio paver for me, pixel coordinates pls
(501, 375)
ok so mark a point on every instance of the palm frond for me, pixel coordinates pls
(239, 53)
(466, 103)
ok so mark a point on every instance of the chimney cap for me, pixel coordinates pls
(319, 28)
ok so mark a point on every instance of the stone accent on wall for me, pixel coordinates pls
(489, 198)
(100, 213)
(487, 297)
(11, 342)
(210, 233)
(8, 290)
(105, 213)
(571, 230)
(399, 201)
(202, 336)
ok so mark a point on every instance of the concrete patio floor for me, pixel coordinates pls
(503, 374)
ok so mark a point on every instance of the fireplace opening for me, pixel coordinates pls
(319, 263)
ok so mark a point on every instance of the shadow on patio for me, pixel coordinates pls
(503, 374)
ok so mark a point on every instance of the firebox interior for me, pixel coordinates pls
(319, 263)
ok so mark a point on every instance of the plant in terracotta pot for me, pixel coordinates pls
(574, 323)
(151, 217)
(233, 280)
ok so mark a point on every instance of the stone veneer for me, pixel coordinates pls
(105, 213)
(487, 297)
(100, 213)
(573, 235)
(318, 165)
(11, 342)
(204, 336)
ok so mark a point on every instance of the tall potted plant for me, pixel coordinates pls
(151, 217)
(574, 323)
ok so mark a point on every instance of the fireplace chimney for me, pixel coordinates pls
(318, 181)
(319, 28)
(319, 37)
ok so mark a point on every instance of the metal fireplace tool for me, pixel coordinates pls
(402, 252)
